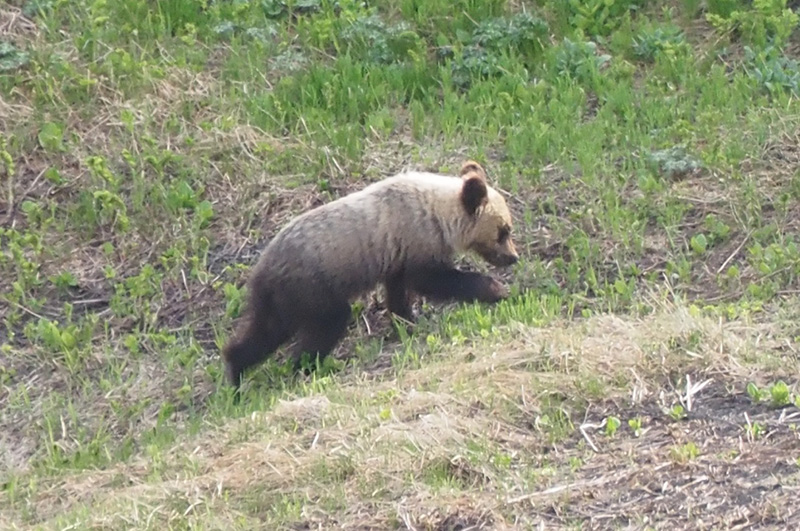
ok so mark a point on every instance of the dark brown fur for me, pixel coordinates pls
(309, 273)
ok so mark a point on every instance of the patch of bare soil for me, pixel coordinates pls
(470, 442)
(734, 481)
(625, 482)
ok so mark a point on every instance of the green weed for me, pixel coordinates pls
(149, 150)
(766, 21)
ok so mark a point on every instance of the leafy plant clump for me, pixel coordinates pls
(371, 38)
(579, 59)
(601, 17)
(484, 50)
(767, 22)
(651, 43)
(673, 162)
(12, 57)
(772, 70)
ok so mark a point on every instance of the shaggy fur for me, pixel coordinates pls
(403, 232)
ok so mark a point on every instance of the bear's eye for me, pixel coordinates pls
(503, 234)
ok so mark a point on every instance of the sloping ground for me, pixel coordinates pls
(490, 437)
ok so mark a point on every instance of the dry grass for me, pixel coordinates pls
(131, 430)
(481, 435)
(15, 26)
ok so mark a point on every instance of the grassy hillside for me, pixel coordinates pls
(644, 374)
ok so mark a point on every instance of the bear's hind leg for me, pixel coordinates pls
(260, 337)
(320, 333)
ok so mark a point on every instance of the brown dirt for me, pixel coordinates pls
(355, 467)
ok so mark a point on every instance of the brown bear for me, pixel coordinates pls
(403, 231)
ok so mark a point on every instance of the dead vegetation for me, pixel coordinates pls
(515, 438)
(338, 463)
(514, 431)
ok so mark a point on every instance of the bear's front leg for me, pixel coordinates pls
(398, 299)
(443, 283)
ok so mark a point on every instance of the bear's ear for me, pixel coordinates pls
(473, 192)
(472, 167)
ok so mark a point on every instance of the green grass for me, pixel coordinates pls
(150, 149)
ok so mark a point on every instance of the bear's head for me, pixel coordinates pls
(489, 233)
